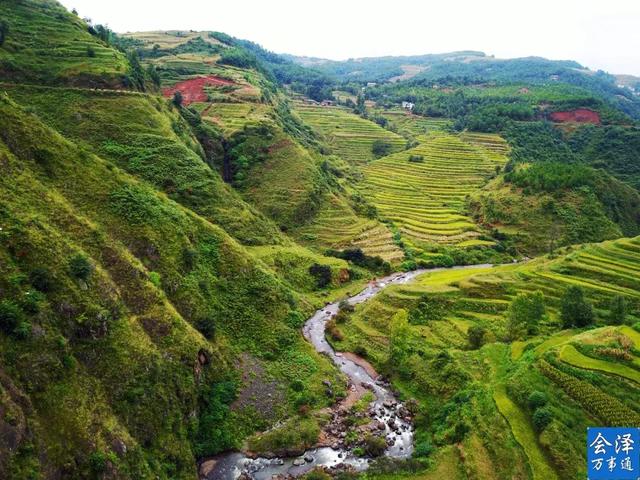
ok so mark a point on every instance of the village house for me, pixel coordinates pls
(408, 106)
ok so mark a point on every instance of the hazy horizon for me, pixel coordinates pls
(598, 35)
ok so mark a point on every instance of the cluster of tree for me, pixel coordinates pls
(359, 258)
(246, 54)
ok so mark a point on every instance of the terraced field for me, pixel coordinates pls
(426, 199)
(410, 125)
(348, 135)
(232, 117)
(337, 226)
(571, 367)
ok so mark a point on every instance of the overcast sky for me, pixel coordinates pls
(601, 34)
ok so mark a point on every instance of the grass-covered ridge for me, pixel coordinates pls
(46, 44)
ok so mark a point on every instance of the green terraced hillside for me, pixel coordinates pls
(336, 226)
(426, 198)
(409, 125)
(580, 377)
(348, 135)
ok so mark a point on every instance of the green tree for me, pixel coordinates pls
(360, 106)
(10, 316)
(618, 310)
(80, 267)
(476, 335)
(524, 314)
(4, 31)
(380, 148)
(575, 310)
(177, 99)
(399, 335)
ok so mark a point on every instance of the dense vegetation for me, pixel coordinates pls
(159, 254)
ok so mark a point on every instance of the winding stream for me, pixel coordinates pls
(387, 410)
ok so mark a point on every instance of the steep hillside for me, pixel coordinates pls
(423, 190)
(124, 285)
(46, 44)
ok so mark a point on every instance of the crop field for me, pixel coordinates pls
(410, 125)
(348, 135)
(232, 117)
(426, 198)
(337, 226)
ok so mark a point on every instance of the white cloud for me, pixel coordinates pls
(600, 35)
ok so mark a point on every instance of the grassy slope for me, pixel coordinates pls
(140, 134)
(113, 361)
(131, 233)
(47, 44)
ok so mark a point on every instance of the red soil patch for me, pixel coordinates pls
(193, 90)
(581, 115)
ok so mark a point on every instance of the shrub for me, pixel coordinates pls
(322, 274)
(4, 31)
(297, 385)
(537, 399)
(80, 267)
(98, 462)
(207, 326)
(476, 335)
(423, 448)
(295, 319)
(41, 279)
(154, 277)
(374, 446)
(177, 99)
(618, 310)
(10, 316)
(381, 148)
(317, 474)
(91, 52)
(541, 418)
(575, 310)
(416, 159)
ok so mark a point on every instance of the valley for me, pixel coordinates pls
(220, 262)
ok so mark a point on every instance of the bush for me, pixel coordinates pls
(91, 52)
(80, 267)
(416, 159)
(476, 335)
(537, 399)
(41, 279)
(297, 385)
(374, 446)
(524, 314)
(177, 99)
(575, 310)
(10, 316)
(154, 277)
(541, 418)
(207, 327)
(381, 148)
(618, 310)
(423, 448)
(4, 31)
(322, 274)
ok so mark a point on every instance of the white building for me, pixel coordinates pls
(408, 105)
